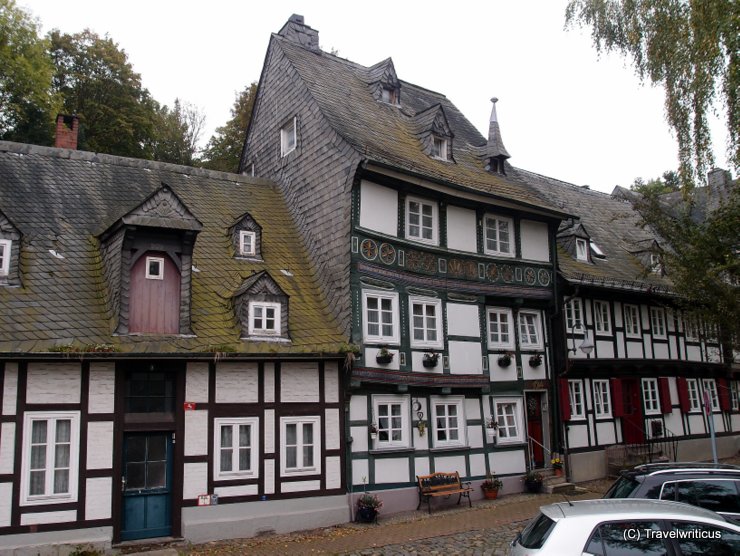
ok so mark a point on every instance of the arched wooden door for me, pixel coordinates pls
(154, 301)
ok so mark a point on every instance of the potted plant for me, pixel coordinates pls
(504, 360)
(431, 358)
(373, 428)
(368, 507)
(383, 357)
(557, 466)
(491, 486)
(533, 481)
(491, 429)
(535, 360)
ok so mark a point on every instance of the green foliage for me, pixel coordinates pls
(27, 104)
(670, 182)
(224, 149)
(688, 47)
(178, 133)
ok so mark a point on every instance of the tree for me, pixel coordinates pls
(27, 105)
(690, 48)
(224, 149)
(669, 183)
(178, 133)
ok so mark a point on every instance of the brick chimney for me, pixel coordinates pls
(67, 128)
(297, 31)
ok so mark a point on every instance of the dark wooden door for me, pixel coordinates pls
(534, 427)
(632, 421)
(154, 303)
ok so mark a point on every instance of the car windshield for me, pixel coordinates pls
(622, 488)
(535, 534)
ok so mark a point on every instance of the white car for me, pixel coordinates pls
(627, 527)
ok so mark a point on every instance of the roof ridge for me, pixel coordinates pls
(584, 188)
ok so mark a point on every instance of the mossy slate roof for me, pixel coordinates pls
(62, 200)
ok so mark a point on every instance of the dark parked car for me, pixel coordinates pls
(714, 487)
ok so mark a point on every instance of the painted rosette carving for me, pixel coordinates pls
(387, 253)
(369, 249)
(530, 276)
(455, 268)
(507, 273)
(544, 277)
(492, 272)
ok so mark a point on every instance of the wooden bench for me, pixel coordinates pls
(442, 484)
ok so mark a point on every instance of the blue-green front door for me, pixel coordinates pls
(147, 485)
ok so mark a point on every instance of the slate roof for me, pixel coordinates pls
(389, 134)
(62, 200)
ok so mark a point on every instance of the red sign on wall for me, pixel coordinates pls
(188, 406)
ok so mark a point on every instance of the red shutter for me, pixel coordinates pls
(683, 394)
(723, 388)
(564, 399)
(665, 395)
(617, 400)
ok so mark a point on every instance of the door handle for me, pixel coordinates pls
(123, 484)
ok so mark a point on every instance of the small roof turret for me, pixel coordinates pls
(496, 153)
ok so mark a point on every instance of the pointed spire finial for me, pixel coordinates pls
(495, 147)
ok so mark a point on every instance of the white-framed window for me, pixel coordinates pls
(657, 322)
(632, 321)
(602, 398)
(581, 249)
(439, 147)
(577, 406)
(389, 95)
(264, 318)
(449, 421)
(391, 415)
(691, 329)
(247, 243)
(656, 264)
(530, 330)
(301, 445)
(508, 412)
(425, 322)
(650, 396)
(735, 395)
(692, 386)
(498, 235)
(574, 316)
(236, 448)
(154, 268)
(710, 385)
(500, 328)
(380, 312)
(50, 457)
(5, 246)
(602, 317)
(288, 137)
(422, 220)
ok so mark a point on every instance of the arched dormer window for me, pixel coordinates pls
(383, 82)
(262, 309)
(246, 237)
(434, 132)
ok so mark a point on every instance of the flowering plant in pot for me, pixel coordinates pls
(533, 481)
(368, 506)
(491, 486)
(535, 360)
(557, 465)
(431, 358)
(491, 429)
(383, 357)
(504, 360)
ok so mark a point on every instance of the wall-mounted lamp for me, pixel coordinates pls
(420, 424)
(587, 345)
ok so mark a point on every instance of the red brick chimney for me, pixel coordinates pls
(67, 127)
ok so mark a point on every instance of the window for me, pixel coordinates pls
(381, 316)
(150, 392)
(389, 95)
(426, 317)
(264, 318)
(449, 422)
(650, 395)
(529, 330)
(391, 414)
(439, 148)
(602, 317)
(154, 268)
(602, 400)
(235, 448)
(698, 539)
(632, 321)
(247, 243)
(575, 391)
(581, 250)
(301, 445)
(497, 236)
(610, 538)
(5, 245)
(50, 454)
(574, 316)
(655, 263)
(421, 220)
(692, 386)
(596, 250)
(735, 395)
(500, 328)
(657, 322)
(288, 137)
(509, 418)
(691, 329)
(710, 386)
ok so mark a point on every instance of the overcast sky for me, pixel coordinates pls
(563, 112)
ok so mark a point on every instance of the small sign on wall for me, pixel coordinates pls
(188, 406)
(208, 499)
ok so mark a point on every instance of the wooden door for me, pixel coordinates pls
(632, 421)
(154, 301)
(534, 427)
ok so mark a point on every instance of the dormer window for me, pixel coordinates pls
(596, 251)
(5, 245)
(247, 243)
(246, 237)
(581, 250)
(154, 268)
(264, 318)
(656, 264)
(389, 95)
(288, 137)
(262, 309)
(439, 148)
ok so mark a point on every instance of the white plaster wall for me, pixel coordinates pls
(239, 490)
(99, 444)
(735, 421)
(417, 364)
(7, 449)
(696, 424)
(359, 439)
(269, 476)
(533, 373)
(331, 383)
(53, 383)
(605, 432)
(719, 422)
(370, 361)
(10, 389)
(358, 408)
(674, 421)
(360, 469)
(504, 463)
(661, 351)
(300, 486)
(195, 480)
(6, 494)
(498, 373)
(333, 472)
(465, 358)
(269, 431)
(578, 435)
(604, 349)
(472, 408)
(378, 208)
(463, 320)
(269, 373)
(236, 383)
(299, 382)
(196, 383)
(49, 517)
(391, 470)
(618, 311)
(535, 245)
(332, 429)
(102, 388)
(196, 432)
(621, 350)
(634, 350)
(421, 467)
(450, 463)
(98, 498)
(477, 464)
(475, 436)
(461, 229)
